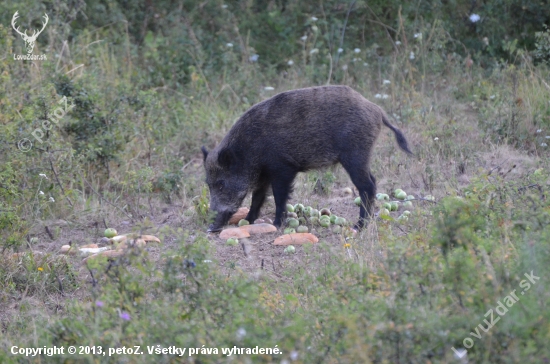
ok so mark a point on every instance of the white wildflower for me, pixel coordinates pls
(229, 45)
(241, 333)
(356, 59)
(384, 96)
(474, 18)
(313, 51)
(378, 96)
(43, 175)
(340, 50)
(269, 88)
(386, 82)
(224, 6)
(411, 56)
(436, 138)
(357, 50)
(547, 137)
(539, 131)
(314, 18)
(543, 144)
(418, 36)
(345, 67)
(365, 64)
(397, 42)
(51, 199)
(492, 97)
(304, 38)
(294, 355)
(253, 58)
(290, 62)
(41, 193)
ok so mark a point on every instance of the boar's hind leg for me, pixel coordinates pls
(282, 186)
(366, 184)
(258, 198)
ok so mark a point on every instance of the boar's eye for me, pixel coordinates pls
(219, 185)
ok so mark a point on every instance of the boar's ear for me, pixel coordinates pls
(204, 152)
(227, 158)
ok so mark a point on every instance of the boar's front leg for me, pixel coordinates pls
(258, 198)
(282, 186)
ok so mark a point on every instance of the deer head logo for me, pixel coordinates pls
(29, 40)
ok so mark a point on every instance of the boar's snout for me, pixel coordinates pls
(221, 218)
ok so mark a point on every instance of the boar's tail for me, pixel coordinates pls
(401, 141)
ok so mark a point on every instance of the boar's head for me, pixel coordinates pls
(228, 184)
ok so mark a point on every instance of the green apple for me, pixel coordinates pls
(333, 218)
(340, 221)
(289, 207)
(336, 229)
(314, 213)
(406, 212)
(293, 223)
(314, 220)
(387, 205)
(385, 196)
(401, 195)
(407, 204)
(409, 197)
(291, 214)
(307, 210)
(357, 201)
(394, 206)
(302, 220)
(430, 198)
(243, 222)
(384, 212)
(325, 222)
(232, 241)
(298, 207)
(290, 249)
(397, 191)
(403, 218)
(110, 233)
(289, 231)
(302, 229)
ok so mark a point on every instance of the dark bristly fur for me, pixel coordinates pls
(289, 133)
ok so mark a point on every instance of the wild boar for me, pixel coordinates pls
(293, 132)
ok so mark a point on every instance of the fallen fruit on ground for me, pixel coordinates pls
(243, 222)
(232, 241)
(302, 229)
(109, 233)
(293, 223)
(290, 249)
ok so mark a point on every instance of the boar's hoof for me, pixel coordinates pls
(213, 229)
